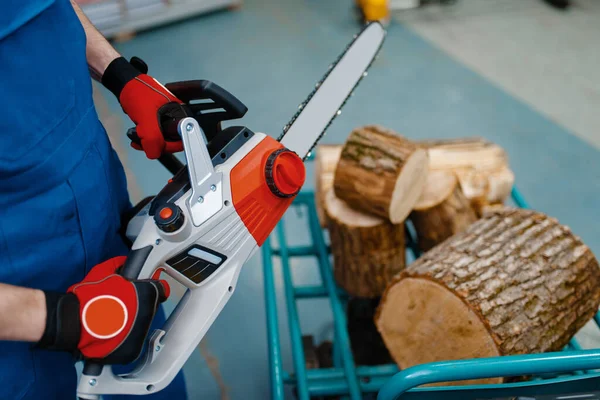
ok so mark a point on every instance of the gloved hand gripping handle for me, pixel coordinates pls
(130, 271)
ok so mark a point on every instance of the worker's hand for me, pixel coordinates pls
(145, 101)
(104, 318)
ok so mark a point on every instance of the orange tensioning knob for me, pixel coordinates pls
(166, 213)
(285, 173)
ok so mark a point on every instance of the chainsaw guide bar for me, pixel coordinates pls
(378, 30)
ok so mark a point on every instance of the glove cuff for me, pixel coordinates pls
(118, 73)
(63, 327)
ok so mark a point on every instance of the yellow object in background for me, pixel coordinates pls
(374, 10)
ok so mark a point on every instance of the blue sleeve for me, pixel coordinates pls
(16, 13)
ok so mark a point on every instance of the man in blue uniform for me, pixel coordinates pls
(62, 195)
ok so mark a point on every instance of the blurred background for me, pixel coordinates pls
(521, 73)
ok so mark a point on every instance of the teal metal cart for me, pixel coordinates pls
(567, 375)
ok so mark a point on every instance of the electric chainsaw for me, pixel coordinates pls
(217, 210)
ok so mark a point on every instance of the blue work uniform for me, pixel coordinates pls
(62, 187)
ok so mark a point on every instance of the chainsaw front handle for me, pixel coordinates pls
(205, 101)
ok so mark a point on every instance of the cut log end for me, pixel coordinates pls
(409, 186)
(381, 173)
(326, 159)
(482, 168)
(442, 211)
(341, 213)
(438, 187)
(454, 331)
(532, 283)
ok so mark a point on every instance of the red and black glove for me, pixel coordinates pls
(149, 105)
(105, 317)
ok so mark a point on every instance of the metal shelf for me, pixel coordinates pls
(133, 19)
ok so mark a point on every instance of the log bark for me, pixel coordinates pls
(381, 173)
(482, 168)
(515, 282)
(442, 211)
(326, 159)
(368, 251)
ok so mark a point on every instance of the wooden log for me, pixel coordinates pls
(515, 282)
(326, 159)
(482, 168)
(368, 251)
(381, 173)
(464, 152)
(442, 210)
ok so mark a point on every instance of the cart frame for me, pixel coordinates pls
(560, 372)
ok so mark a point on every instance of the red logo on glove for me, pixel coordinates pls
(104, 317)
(104, 331)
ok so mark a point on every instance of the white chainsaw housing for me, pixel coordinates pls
(212, 223)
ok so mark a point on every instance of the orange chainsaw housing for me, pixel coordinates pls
(259, 208)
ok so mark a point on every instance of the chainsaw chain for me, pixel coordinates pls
(318, 85)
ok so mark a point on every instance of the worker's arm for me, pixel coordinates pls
(22, 313)
(77, 321)
(142, 97)
(99, 51)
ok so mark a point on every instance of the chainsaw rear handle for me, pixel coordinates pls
(130, 271)
(135, 259)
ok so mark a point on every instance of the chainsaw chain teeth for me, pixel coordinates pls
(318, 85)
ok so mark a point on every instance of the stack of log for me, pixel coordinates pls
(363, 197)
(368, 187)
(490, 279)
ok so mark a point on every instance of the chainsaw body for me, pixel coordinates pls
(202, 227)
(218, 209)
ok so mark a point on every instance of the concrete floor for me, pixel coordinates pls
(541, 56)
(426, 84)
